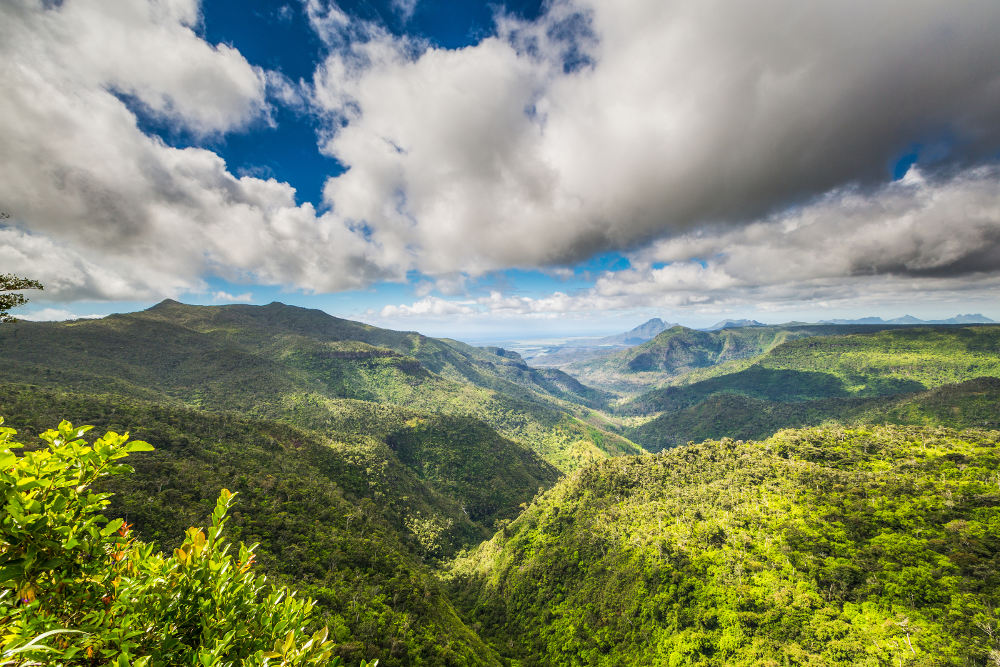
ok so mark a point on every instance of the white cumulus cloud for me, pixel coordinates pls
(687, 134)
(932, 240)
(101, 210)
(606, 125)
(246, 297)
(53, 315)
(428, 306)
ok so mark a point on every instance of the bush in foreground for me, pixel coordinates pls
(78, 589)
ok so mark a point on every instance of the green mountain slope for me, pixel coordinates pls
(371, 463)
(351, 520)
(815, 547)
(970, 404)
(851, 379)
(680, 350)
(276, 327)
(755, 381)
(361, 456)
(928, 355)
(283, 362)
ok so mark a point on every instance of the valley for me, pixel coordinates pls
(446, 504)
(504, 333)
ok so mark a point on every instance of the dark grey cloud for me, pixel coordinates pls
(919, 239)
(679, 131)
(683, 114)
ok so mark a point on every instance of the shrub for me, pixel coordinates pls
(78, 589)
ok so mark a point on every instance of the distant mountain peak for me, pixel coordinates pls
(734, 324)
(972, 318)
(166, 303)
(640, 334)
(906, 319)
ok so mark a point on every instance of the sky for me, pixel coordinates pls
(504, 169)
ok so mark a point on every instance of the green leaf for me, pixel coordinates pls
(138, 446)
(112, 526)
(28, 483)
(11, 572)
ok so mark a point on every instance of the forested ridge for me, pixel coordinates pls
(680, 350)
(279, 361)
(344, 521)
(871, 377)
(814, 547)
(450, 505)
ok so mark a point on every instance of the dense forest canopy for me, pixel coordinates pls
(813, 547)
(536, 177)
(78, 589)
(443, 504)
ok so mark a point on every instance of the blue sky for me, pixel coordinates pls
(504, 169)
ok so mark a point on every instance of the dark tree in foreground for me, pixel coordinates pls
(10, 297)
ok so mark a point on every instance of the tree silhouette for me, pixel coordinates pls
(10, 297)
(11, 283)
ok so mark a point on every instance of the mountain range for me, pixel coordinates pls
(579, 350)
(453, 505)
(971, 318)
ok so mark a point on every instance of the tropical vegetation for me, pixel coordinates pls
(830, 546)
(78, 589)
(423, 502)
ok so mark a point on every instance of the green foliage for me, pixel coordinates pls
(469, 462)
(756, 382)
(858, 359)
(970, 404)
(365, 459)
(815, 547)
(77, 589)
(338, 518)
(730, 415)
(881, 363)
(10, 296)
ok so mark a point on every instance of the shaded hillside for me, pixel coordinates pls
(552, 381)
(451, 469)
(815, 547)
(970, 404)
(282, 362)
(680, 350)
(930, 355)
(757, 382)
(354, 521)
